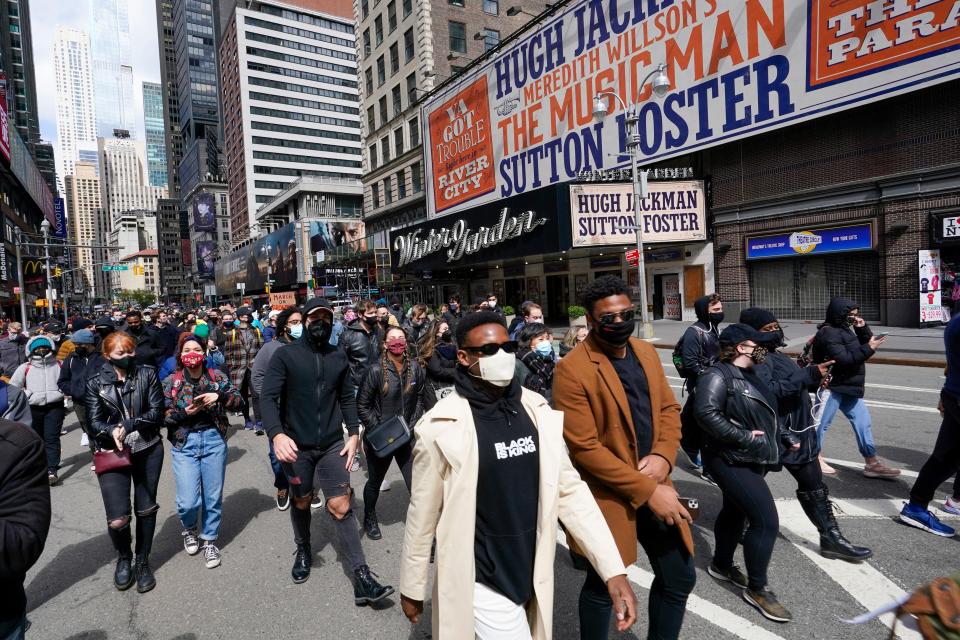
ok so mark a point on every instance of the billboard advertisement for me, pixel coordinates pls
(204, 212)
(249, 264)
(931, 307)
(802, 242)
(602, 214)
(524, 119)
(205, 257)
(330, 234)
(60, 213)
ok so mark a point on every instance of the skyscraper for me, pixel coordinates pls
(82, 188)
(76, 122)
(16, 57)
(124, 185)
(110, 55)
(171, 105)
(155, 139)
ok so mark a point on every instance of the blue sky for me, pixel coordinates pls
(47, 15)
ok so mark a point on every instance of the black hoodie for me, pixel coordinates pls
(701, 343)
(847, 346)
(508, 489)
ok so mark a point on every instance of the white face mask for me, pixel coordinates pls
(498, 369)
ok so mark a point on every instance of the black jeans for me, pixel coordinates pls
(689, 429)
(746, 499)
(47, 420)
(145, 477)
(377, 470)
(945, 459)
(809, 476)
(246, 392)
(674, 579)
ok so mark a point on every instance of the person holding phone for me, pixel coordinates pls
(197, 399)
(396, 387)
(737, 414)
(125, 409)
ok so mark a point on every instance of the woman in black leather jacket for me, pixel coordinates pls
(397, 387)
(792, 385)
(125, 407)
(737, 413)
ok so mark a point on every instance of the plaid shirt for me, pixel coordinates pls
(239, 357)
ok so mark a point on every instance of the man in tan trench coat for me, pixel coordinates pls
(622, 426)
(491, 479)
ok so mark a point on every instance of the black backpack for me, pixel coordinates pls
(678, 351)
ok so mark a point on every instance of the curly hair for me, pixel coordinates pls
(284, 317)
(601, 288)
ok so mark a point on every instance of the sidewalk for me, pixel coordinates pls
(904, 346)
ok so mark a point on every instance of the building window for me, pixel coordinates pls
(458, 37)
(371, 120)
(412, 88)
(401, 186)
(375, 195)
(384, 116)
(378, 29)
(394, 58)
(407, 7)
(388, 190)
(492, 7)
(408, 45)
(366, 42)
(416, 180)
(397, 104)
(368, 77)
(385, 149)
(456, 69)
(381, 71)
(455, 3)
(392, 15)
(491, 38)
(414, 127)
(398, 140)
(364, 8)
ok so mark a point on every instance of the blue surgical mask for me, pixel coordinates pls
(296, 330)
(544, 349)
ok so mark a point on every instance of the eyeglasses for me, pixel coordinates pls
(491, 348)
(626, 315)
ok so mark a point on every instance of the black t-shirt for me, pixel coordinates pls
(508, 491)
(635, 385)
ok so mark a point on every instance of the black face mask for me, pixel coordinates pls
(103, 332)
(135, 329)
(715, 318)
(615, 334)
(445, 337)
(849, 320)
(319, 333)
(777, 339)
(370, 321)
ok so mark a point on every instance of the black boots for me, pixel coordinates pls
(366, 590)
(123, 574)
(370, 525)
(816, 504)
(143, 574)
(301, 563)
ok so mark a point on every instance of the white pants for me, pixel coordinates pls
(496, 617)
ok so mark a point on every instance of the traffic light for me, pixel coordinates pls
(57, 272)
(137, 270)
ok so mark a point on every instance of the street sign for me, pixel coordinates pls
(115, 267)
(16, 291)
(633, 257)
(241, 286)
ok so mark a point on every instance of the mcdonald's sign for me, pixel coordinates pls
(33, 267)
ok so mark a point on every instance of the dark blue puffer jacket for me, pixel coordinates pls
(847, 346)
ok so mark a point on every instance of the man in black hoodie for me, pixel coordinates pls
(307, 395)
(24, 519)
(701, 346)
(845, 338)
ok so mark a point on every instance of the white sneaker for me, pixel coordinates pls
(211, 554)
(385, 485)
(952, 505)
(190, 542)
(84, 439)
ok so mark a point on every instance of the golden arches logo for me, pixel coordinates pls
(33, 267)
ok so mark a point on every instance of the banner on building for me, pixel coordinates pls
(249, 264)
(205, 257)
(602, 214)
(60, 214)
(326, 235)
(205, 212)
(802, 242)
(524, 119)
(931, 309)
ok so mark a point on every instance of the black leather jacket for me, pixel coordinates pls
(728, 415)
(792, 385)
(142, 405)
(373, 404)
(362, 349)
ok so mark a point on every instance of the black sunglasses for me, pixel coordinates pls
(489, 349)
(626, 315)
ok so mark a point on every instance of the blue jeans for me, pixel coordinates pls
(858, 415)
(199, 466)
(16, 633)
(279, 477)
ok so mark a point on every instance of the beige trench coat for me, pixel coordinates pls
(443, 504)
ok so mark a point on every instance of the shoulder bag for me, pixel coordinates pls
(388, 436)
(113, 460)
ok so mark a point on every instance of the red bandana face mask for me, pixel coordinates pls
(397, 347)
(192, 359)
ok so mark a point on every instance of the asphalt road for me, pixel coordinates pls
(71, 595)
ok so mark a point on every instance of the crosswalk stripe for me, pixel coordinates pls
(712, 613)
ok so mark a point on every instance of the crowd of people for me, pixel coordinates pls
(498, 436)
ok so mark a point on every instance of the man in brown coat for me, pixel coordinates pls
(622, 427)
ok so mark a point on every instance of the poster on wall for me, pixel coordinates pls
(523, 119)
(326, 235)
(204, 212)
(205, 257)
(249, 264)
(931, 309)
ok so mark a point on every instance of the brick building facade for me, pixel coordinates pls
(894, 164)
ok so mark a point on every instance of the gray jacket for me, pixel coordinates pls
(261, 362)
(38, 378)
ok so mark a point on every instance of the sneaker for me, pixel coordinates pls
(356, 463)
(952, 505)
(63, 431)
(921, 518)
(211, 554)
(52, 479)
(190, 542)
(826, 469)
(283, 499)
(385, 485)
(879, 470)
(248, 426)
(84, 439)
(258, 429)
(767, 604)
(733, 574)
(318, 500)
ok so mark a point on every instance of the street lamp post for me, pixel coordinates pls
(661, 84)
(23, 291)
(45, 230)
